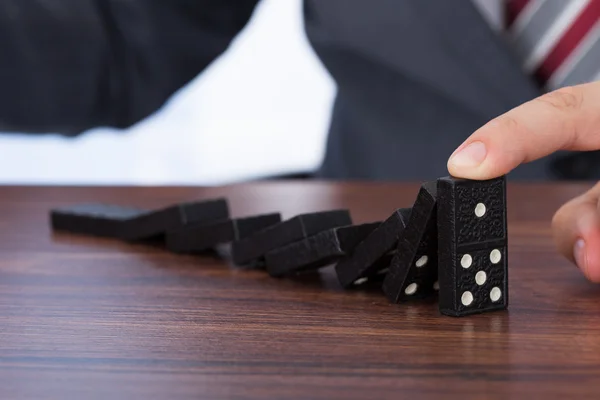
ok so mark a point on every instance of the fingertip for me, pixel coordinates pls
(493, 150)
(467, 160)
(476, 161)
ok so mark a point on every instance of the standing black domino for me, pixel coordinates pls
(364, 263)
(131, 224)
(251, 250)
(413, 270)
(196, 238)
(473, 243)
(316, 251)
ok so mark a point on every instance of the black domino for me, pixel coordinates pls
(473, 243)
(200, 237)
(364, 261)
(158, 222)
(379, 271)
(252, 249)
(413, 270)
(94, 219)
(133, 224)
(318, 250)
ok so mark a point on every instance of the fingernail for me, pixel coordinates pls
(469, 156)
(579, 254)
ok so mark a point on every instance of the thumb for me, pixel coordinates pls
(576, 230)
(566, 119)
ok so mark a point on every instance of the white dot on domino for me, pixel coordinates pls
(480, 210)
(466, 298)
(421, 261)
(360, 281)
(466, 261)
(436, 285)
(495, 294)
(495, 256)
(411, 289)
(480, 277)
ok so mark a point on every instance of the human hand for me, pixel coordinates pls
(566, 119)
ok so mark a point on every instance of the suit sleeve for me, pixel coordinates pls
(69, 66)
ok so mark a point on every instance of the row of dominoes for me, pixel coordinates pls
(452, 242)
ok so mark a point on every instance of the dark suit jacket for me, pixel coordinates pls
(415, 77)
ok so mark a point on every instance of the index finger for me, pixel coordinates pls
(566, 119)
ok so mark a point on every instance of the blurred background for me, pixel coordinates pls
(230, 124)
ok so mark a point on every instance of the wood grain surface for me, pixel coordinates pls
(84, 318)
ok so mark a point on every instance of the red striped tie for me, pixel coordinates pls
(558, 40)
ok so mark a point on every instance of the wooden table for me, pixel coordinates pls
(84, 318)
